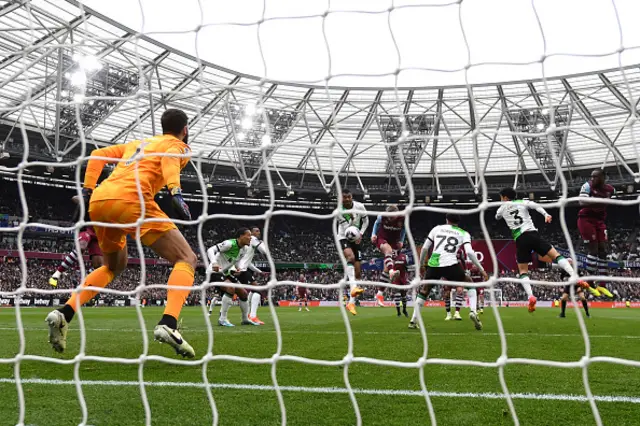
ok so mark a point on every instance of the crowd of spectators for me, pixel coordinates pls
(39, 271)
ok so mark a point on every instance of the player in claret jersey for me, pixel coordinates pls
(301, 294)
(401, 278)
(87, 240)
(126, 196)
(593, 229)
(388, 235)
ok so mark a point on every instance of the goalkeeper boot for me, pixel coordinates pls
(164, 334)
(225, 323)
(352, 308)
(448, 317)
(58, 328)
(481, 311)
(476, 321)
(414, 325)
(457, 316)
(594, 291)
(532, 303)
(603, 290)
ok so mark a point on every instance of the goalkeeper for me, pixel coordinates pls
(119, 200)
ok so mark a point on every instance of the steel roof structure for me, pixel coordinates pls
(438, 132)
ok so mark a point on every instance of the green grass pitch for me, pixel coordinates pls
(314, 395)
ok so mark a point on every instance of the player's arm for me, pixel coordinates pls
(254, 268)
(214, 252)
(365, 223)
(376, 226)
(261, 248)
(585, 192)
(171, 167)
(500, 212)
(471, 255)
(425, 248)
(537, 207)
(95, 165)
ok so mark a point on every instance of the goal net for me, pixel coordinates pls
(292, 109)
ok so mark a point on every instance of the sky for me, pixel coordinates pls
(353, 43)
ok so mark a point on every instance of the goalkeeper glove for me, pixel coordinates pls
(179, 205)
(86, 196)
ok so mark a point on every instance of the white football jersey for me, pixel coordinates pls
(249, 252)
(516, 214)
(446, 241)
(359, 220)
(225, 255)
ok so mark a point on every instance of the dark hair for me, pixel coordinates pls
(453, 218)
(254, 227)
(599, 171)
(173, 121)
(510, 193)
(346, 192)
(241, 231)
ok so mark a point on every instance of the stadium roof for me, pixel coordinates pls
(57, 55)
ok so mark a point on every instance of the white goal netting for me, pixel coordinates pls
(73, 78)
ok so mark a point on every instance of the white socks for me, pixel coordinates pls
(351, 273)
(527, 286)
(56, 274)
(226, 304)
(244, 307)
(417, 305)
(473, 299)
(255, 302)
(566, 265)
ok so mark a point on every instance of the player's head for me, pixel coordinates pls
(243, 235)
(255, 231)
(392, 208)
(508, 194)
(347, 198)
(597, 177)
(453, 219)
(174, 122)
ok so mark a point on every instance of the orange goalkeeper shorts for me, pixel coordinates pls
(127, 212)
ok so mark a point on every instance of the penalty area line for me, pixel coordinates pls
(332, 390)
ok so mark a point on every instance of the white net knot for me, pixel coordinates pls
(502, 361)
(348, 359)
(584, 362)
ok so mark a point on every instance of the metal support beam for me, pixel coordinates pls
(299, 113)
(212, 104)
(614, 90)
(590, 119)
(436, 134)
(336, 109)
(174, 92)
(366, 125)
(407, 104)
(43, 41)
(516, 143)
(10, 7)
(53, 81)
(58, 106)
(565, 152)
(146, 69)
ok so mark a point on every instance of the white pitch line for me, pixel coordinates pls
(332, 390)
(256, 330)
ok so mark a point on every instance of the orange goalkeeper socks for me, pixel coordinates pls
(182, 275)
(101, 277)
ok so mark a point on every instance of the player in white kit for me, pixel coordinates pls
(350, 249)
(516, 214)
(247, 268)
(223, 268)
(446, 241)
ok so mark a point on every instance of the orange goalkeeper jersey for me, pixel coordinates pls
(154, 171)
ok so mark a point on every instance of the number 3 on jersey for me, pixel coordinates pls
(516, 217)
